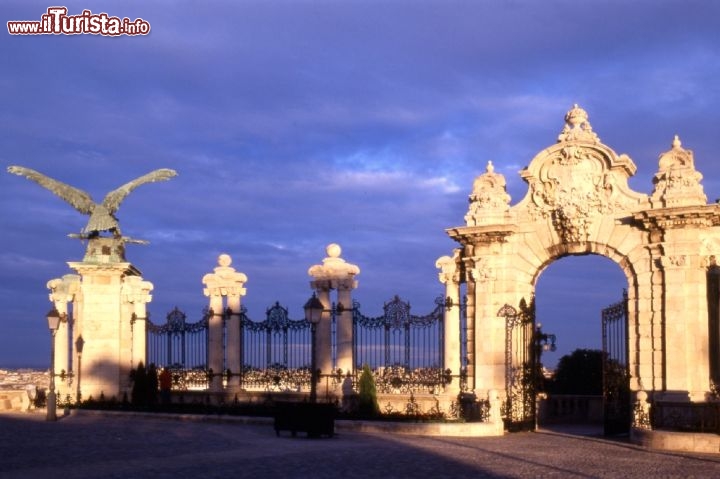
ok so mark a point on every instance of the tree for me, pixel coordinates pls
(139, 393)
(152, 384)
(367, 395)
(579, 373)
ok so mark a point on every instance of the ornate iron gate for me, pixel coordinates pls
(276, 351)
(404, 350)
(616, 376)
(177, 343)
(398, 338)
(520, 367)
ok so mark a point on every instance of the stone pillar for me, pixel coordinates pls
(686, 329)
(495, 418)
(136, 293)
(103, 319)
(334, 273)
(234, 352)
(450, 277)
(679, 214)
(224, 282)
(215, 363)
(488, 333)
(344, 326)
(62, 292)
(323, 331)
(470, 333)
(639, 317)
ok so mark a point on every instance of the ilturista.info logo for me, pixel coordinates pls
(57, 22)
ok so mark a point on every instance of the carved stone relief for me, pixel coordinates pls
(577, 127)
(573, 188)
(677, 182)
(489, 198)
(577, 181)
(482, 271)
(710, 251)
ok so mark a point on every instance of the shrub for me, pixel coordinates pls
(367, 394)
(139, 393)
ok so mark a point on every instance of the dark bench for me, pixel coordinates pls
(315, 419)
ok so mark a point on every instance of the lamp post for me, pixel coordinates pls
(53, 319)
(79, 343)
(313, 312)
(543, 342)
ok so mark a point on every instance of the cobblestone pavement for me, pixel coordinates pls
(96, 446)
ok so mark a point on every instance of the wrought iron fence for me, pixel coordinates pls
(398, 338)
(276, 343)
(686, 416)
(405, 351)
(177, 343)
(400, 380)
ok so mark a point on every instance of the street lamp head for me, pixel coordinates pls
(53, 319)
(79, 343)
(313, 310)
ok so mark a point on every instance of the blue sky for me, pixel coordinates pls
(294, 124)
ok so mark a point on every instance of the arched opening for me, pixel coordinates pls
(570, 296)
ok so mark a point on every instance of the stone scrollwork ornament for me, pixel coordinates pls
(449, 268)
(576, 181)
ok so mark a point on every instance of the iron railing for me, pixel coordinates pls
(405, 351)
(686, 416)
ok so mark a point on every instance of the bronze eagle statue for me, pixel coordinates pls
(102, 215)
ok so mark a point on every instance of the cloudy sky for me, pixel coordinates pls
(294, 124)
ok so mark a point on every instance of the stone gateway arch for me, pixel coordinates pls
(578, 202)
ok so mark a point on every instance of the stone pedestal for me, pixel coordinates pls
(104, 320)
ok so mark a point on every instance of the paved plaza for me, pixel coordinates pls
(97, 446)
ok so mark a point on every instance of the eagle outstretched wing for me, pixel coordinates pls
(114, 198)
(79, 199)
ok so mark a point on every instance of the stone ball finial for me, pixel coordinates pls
(333, 266)
(642, 395)
(490, 167)
(224, 260)
(333, 250)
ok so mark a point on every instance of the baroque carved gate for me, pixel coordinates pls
(578, 202)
